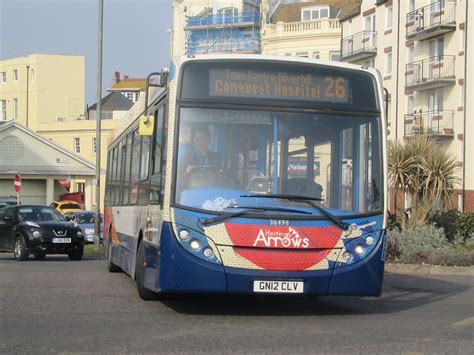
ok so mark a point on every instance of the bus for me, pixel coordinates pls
(251, 174)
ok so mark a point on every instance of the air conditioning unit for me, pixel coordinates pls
(61, 119)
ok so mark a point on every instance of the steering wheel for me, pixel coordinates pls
(210, 176)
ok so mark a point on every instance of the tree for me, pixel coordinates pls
(422, 170)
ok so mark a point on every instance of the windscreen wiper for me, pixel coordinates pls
(245, 210)
(310, 201)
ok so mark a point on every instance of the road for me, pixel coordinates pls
(57, 305)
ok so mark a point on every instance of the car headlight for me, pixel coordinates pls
(36, 234)
(198, 244)
(89, 230)
(358, 248)
(32, 224)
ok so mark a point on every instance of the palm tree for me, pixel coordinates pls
(423, 171)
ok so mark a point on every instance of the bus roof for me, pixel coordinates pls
(261, 57)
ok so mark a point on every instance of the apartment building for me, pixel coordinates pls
(131, 88)
(216, 26)
(421, 50)
(40, 88)
(309, 29)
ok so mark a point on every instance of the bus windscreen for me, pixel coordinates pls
(275, 81)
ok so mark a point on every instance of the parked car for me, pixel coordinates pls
(86, 220)
(9, 201)
(66, 206)
(39, 230)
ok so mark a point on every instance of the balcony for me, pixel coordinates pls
(359, 46)
(432, 20)
(437, 124)
(240, 19)
(431, 73)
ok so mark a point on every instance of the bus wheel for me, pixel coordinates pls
(145, 294)
(110, 265)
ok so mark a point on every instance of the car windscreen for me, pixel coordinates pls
(85, 218)
(39, 214)
(69, 206)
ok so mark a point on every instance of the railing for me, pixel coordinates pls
(360, 42)
(315, 25)
(435, 14)
(429, 70)
(223, 47)
(220, 19)
(437, 123)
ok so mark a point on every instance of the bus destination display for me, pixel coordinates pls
(278, 85)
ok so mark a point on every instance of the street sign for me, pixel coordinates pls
(17, 182)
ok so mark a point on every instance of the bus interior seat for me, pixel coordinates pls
(302, 187)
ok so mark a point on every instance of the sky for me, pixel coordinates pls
(136, 41)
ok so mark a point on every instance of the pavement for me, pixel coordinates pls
(58, 305)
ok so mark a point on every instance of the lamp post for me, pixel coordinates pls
(98, 125)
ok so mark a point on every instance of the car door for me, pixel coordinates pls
(7, 224)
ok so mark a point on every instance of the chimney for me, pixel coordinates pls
(116, 77)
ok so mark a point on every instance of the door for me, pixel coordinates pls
(369, 38)
(7, 224)
(435, 109)
(436, 58)
(436, 12)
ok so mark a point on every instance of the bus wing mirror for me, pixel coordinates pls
(147, 123)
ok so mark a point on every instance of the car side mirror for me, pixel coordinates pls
(8, 218)
(67, 218)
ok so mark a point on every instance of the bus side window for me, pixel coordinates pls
(126, 169)
(158, 157)
(135, 167)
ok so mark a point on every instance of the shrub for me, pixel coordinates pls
(403, 243)
(465, 226)
(448, 221)
(440, 257)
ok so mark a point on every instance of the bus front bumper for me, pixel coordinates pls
(181, 272)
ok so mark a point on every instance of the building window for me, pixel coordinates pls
(335, 56)
(3, 112)
(389, 20)
(94, 145)
(32, 74)
(3, 77)
(106, 115)
(77, 145)
(15, 109)
(314, 13)
(302, 55)
(388, 63)
(411, 5)
(15, 74)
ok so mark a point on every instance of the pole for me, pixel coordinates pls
(98, 125)
(27, 91)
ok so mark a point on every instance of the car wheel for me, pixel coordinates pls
(110, 265)
(20, 251)
(145, 294)
(39, 255)
(76, 254)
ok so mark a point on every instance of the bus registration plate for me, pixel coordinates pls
(266, 286)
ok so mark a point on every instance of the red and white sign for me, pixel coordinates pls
(17, 182)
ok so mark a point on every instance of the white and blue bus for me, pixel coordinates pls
(251, 174)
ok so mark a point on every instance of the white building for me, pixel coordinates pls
(421, 49)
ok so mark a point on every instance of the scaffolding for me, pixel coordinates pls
(228, 32)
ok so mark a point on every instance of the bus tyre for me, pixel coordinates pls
(39, 255)
(20, 251)
(145, 294)
(110, 265)
(76, 254)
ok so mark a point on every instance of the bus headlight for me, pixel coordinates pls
(358, 248)
(197, 244)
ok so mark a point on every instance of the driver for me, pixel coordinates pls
(201, 155)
